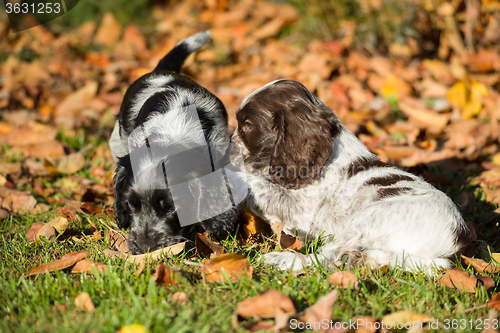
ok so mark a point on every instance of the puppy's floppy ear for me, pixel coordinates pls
(121, 185)
(305, 135)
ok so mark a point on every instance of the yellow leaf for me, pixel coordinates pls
(457, 95)
(394, 87)
(496, 159)
(472, 107)
(134, 328)
(466, 95)
(479, 88)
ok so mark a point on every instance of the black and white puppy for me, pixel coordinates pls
(156, 105)
(311, 174)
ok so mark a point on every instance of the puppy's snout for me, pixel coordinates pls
(145, 244)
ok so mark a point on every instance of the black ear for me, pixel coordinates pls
(121, 185)
(305, 137)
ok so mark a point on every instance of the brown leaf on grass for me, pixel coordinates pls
(494, 303)
(406, 317)
(109, 31)
(322, 309)
(284, 240)
(87, 265)
(16, 201)
(90, 208)
(155, 255)
(34, 230)
(84, 302)
(345, 280)
(68, 164)
(432, 120)
(230, 265)
(164, 275)
(461, 280)
(117, 240)
(205, 247)
(267, 304)
(60, 223)
(180, 297)
(66, 261)
(46, 232)
(486, 281)
(480, 265)
(59, 308)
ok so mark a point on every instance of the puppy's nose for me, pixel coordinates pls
(146, 245)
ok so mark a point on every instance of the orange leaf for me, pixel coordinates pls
(267, 304)
(164, 275)
(345, 280)
(233, 265)
(322, 309)
(155, 255)
(84, 302)
(205, 247)
(495, 302)
(459, 279)
(86, 265)
(66, 261)
(480, 265)
(180, 297)
(34, 230)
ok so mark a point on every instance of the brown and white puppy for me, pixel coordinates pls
(311, 174)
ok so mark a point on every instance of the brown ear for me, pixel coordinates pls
(305, 137)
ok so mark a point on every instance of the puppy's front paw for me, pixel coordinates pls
(286, 260)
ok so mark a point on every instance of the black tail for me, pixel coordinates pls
(174, 59)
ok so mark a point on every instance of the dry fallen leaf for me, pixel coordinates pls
(164, 275)
(180, 297)
(230, 265)
(322, 309)
(267, 304)
(205, 247)
(480, 265)
(284, 240)
(406, 317)
(171, 250)
(466, 95)
(494, 303)
(462, 280)
(68, 164)
(30, 235)
(66, 261)
(84, 302)
(427, 118)
(87, 265)
(344, 280)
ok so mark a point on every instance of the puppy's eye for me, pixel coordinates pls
(247, 127)
(130, 205)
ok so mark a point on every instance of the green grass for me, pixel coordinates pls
(122, 298)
